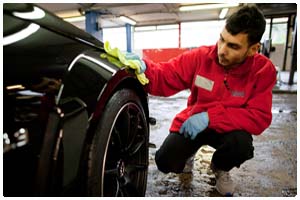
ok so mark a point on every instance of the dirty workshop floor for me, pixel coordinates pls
(271, 173)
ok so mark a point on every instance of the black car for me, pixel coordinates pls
(73, 123)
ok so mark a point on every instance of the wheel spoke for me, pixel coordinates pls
(122, 129)
(111, 172)
(111, 185)
(134, 127)
(118, 188)
(134, 149)
(127, 131)
(117, 138)
(132, 168)
(127, 121)
(128, 188)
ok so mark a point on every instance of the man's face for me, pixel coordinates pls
(234, 49)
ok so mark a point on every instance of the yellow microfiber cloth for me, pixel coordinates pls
(116, 57)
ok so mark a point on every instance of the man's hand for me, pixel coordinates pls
(129, 60)
(135, 57)
(194, 125)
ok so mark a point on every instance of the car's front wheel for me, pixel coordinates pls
(118, 157)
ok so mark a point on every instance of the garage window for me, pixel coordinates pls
(163, 36)
(195, 34)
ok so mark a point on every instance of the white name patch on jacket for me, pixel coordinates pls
(204, 83)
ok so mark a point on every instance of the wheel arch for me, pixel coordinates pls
(133, 84)
(121, 80)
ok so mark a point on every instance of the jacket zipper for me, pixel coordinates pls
(225, 80)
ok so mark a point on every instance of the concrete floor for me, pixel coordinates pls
(271, 173)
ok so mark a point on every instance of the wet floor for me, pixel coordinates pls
(271, 173)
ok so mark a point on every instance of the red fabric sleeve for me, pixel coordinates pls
(168, 78)
(255, 116)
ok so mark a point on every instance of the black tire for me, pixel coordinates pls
(118, 157)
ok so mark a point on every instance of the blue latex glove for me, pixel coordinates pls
(132, 56)
(194, 125)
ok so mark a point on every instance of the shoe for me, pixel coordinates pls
(186, 177)
(224, 183)
(189, 165)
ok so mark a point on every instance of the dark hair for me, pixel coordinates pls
(249, 20)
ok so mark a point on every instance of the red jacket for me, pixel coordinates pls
(237, 99)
